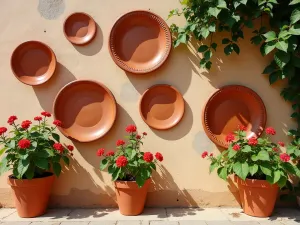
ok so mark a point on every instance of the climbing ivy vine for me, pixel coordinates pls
(279, 36)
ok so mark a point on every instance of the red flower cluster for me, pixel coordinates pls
(229, 137)
(236, 147)
(275, 149)
(120, 142)
(130, 129)
(11, 120)
(70, 147)
(284, 157)
(270, 131)
(2, 130)
(38, 118)
(148, 157)
(144, 133)
(26, 124)
(57, 123)
(46, 114)
(121, 161)
(110, 153)
(204, 154)
(211, 154)
(100, 152)
(242, 128)
(159, 156)
(138, 136)
(252, 141)
(24, 143)
(58, 147)
(280, 143)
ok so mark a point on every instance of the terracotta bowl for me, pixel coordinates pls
(161, 106)
(230, 107)
(140, 42)
(80, 28)
(87, 110)
(33, 62)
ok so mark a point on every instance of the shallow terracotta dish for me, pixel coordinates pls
(140, 42)
(87, 110)
(80, 28)
(33, 62)
(161, 106)
(230, 107)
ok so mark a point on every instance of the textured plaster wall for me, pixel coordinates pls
(183, 178)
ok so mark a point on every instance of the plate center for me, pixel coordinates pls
(89, 115)
(34, 62)
(161, 107)
(79, 29)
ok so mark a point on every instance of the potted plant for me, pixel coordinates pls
(260, 170)
(31, 152)
(131, 170)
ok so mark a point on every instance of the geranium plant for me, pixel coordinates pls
(129, 163)
(254, 158)
(32, 150)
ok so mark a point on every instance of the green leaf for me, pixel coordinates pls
(214, 11)
(295, 30)
(263, 155)
(266, 168)
(214, 46)
(204, 32)
(111, 169)
(241, 169)
(140, 181)
(228, 49)
(295, 17)
(212, 27)
(296, 61)
(66, 160)
(41, 163)
(270, 36)
(231, 153)
(222, 173)
(282, 45)
(270, 69)
(247, 148)
(56, 168)
(222, 4)
(183, 38)
(269, 47)
(3, 166)
(202, 48)
(236, 48)
(29, 174)
(208, 65)
(50, 152)
(208, 55)
(293, 43)
(260, 2)
(273, 77)
(281, 58)
(11, 144)
(282, 181)
(133, 154)
(294, 2)
(225, 41)
(256, 40)
(213, 166)
(22, 167)
(103, 164)
(277, 176)
(253, 169)
(116, 174)
(56, 137)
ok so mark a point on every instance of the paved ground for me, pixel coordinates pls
(152, 216)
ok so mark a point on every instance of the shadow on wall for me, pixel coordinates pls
(47, 92)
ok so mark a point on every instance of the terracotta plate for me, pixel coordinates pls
(87, 110)
(161, 106)
(230, 107)
(140, 42)
(80, 28)
(33, 62)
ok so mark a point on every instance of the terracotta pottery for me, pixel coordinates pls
(80, 28)
(131, 199)
(258, 197)
(87, 110)
(31, 196)
(230, 107)
(161, 106)
(140, 42)
(33, 62)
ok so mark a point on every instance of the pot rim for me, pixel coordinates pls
(28, 182)
(255, 183)
(130, 184)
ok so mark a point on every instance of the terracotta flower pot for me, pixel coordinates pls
(31, 196)
(131, 199)
(258, 197)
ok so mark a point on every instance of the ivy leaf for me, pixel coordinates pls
(204, 32)
(256, 40)
(282, 45)
(294, 2)
(208, 55)
(222, 4)
(182, 38)
(295, 30)
(214, 11)
(295, 17)
(244, 1)
(225, 41)
(288, 71)
(269, 47)
(228, 49)
(202, 48)
(212, 27)
(249, 23)
(270, 36)
(208, 65)
(236, 48)
(281, 58)
(270, 68)
(214, 46)
(260, 2)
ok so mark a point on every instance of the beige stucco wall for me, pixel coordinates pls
(183, 179)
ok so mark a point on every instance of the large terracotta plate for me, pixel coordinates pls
(33, 62)
(161, 106)
(230, 107)
(87, 110)
(80, 28)
(140, 42)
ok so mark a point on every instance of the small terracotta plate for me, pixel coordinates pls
(230, 107)
(87, 110)
(140, 42)
(33, 62)
(161, 106)
(80, 28)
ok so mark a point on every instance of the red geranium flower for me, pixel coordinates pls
(284, 157)
(270, 131)
(281, 143)
(57, 123)
(130, 128)
(110, 153)
(121, 161)
(46, 114)
(236, 147)
(11, 120)
(2, 130)
(144, 133)
(204, 154)
(252, 141)
(242, 128)
(275, 149)
(229, 137)
(26, 124)
(138, 136)
(148, 157)
(211, 154)
(159, 156)
(24, 143)
(120, 142)
(38, 118)
(100, 152)
(58, 147)
(70, 147)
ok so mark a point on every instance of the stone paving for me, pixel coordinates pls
(152, 216)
